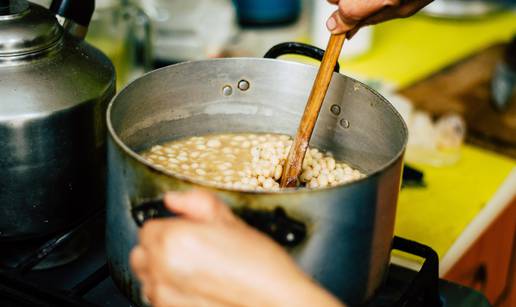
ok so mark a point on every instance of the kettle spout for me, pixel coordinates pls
(74, 15)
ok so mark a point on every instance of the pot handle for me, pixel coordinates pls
(427, 279)
(148, 210)
(297, 48)
(276, 224)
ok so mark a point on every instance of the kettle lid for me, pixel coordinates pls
(26, 28)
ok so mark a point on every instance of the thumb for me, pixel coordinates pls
(337, 24)
(197, 205)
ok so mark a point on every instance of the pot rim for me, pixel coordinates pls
(134, 155)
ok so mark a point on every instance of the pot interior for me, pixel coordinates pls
(196, 98)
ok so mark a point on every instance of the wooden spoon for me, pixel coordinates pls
(294, 163)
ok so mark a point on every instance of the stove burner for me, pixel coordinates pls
(69, 251)
(64, 253)
(47, 252)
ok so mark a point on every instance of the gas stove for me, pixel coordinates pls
(70, 269)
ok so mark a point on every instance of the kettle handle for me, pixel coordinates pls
(76, 13)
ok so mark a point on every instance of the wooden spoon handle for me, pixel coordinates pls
(294, 163)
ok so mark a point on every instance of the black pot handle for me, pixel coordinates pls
(276, 224)
(149, 210)
(297, 48)
(426, 280)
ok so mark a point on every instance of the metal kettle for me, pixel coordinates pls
(54, 90)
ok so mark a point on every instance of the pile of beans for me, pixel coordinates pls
(246, 162)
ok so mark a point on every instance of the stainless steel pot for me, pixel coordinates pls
(54, 91)
(341, 236)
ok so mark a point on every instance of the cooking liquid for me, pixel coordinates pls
(245, 161)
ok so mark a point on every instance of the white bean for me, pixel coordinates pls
(313, 184)
(213, 143)
(268, 183)
(278, 170)
(253, 182)
(331, 178)
(200, 172)
(182, 158)
(246, 144)
(330, 162)
(322, 180)
(306, 176)
(316, 169)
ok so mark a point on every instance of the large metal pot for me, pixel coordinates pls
(342, 234)
(54, 91)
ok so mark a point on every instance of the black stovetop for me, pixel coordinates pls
(85, 281)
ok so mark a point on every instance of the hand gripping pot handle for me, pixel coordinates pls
(276, 223)
(297, 48)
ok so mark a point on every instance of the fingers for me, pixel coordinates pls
(336, 24)
(390, 12)
(161, 293)
(138, 260)
(198, 205)
(358, 10)
(147, 264)
(412, 7)
(352, 12)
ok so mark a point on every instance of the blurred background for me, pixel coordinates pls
(450, 70)
(139, 35)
